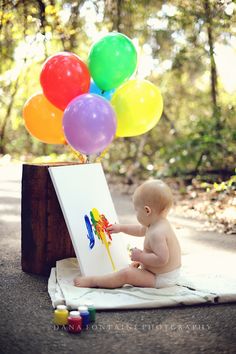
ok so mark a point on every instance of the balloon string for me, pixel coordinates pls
(81, 157)
(103, 153)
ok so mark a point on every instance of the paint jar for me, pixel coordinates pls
(74, 322)
(91, 310)
(85, 315)
(61, 315)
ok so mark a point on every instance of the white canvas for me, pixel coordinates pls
(80, 189)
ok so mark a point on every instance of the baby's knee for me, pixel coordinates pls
(125, 274)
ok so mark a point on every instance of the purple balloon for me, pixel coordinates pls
(89, 123)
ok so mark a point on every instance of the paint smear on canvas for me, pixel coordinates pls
(98, 226)
(90, 234)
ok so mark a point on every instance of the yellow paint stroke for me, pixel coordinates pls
(100, 231)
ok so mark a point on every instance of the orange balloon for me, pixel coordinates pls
(43, 120)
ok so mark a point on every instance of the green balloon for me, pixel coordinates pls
(112, 60)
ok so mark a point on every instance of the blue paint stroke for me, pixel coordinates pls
(90, 232)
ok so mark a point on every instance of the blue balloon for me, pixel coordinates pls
(95, 89)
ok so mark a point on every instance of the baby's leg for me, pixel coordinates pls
(129, 275)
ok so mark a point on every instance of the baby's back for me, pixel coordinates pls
(174, 261)
(173, 245)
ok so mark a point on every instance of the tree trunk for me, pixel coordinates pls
(214, 78)
(118, 18)
(7, 116)
(44, 235)
(113, 9)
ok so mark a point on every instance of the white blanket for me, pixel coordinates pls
(206, 285)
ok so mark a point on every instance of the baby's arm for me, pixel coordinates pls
(159, 255)
(133, 230)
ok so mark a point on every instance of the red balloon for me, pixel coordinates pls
(63, 77)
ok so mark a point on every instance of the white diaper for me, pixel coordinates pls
(167, 279)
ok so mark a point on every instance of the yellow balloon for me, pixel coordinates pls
(138, 105)
(43, 120)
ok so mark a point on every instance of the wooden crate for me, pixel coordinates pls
(44, 235)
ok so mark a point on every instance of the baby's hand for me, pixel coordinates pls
(135, 264)
(136, 254)
(113, 228)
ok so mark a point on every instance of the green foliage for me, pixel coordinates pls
(225, 186)
(197, 132)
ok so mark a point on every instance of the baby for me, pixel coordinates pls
(158, 264)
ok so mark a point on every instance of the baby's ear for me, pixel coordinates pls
(148, 210)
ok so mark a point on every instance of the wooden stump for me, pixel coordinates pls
(44, 235)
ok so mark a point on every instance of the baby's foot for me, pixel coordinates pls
(84, 282)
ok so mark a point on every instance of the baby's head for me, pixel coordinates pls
(152, 199)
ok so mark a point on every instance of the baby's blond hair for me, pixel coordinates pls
(155, 194)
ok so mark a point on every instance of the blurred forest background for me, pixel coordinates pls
(187, 48)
